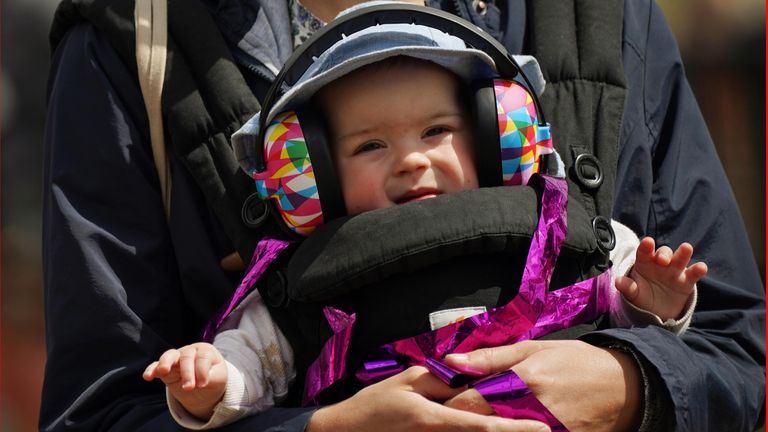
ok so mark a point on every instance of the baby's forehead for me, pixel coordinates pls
(400, 74)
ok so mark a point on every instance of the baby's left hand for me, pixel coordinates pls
(661, 281)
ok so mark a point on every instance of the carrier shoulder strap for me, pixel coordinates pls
(578, 44)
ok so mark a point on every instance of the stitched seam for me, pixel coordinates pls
(586, 80)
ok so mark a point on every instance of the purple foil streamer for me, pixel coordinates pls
(267, 250)
(510, 397)
(578, 303)
(380, 364)
(331, 364)
(532, 313)
(452, 377)
(376, 371)
(505, 324)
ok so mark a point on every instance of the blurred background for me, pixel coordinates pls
(723, 46)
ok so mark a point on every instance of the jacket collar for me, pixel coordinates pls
(259, 31)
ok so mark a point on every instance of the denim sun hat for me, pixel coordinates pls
(371, 45)
(380, 42)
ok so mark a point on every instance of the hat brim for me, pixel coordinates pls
(379, 43)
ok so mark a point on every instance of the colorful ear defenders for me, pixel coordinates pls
(293, 164)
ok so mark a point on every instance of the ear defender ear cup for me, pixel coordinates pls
(509, 138)
(291, 175)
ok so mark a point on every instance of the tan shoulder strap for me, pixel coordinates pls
(151, 20)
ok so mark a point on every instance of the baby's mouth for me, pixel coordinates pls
(417, 195)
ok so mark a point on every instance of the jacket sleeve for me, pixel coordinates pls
(670, 185)
(114, 300)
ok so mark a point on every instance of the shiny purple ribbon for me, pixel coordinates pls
(267, 250)
(532, 313)
(511, 398)
(331, 364)
(504, 324)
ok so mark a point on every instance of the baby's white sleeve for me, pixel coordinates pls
(622, 312)
(259, 361)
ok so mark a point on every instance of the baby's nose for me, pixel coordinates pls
(413, 161)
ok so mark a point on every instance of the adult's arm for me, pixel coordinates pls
(115, 297)
(671, 186)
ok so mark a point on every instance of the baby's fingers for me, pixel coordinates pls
(167, 361)
(645, 250)
(627, 287)
(663, 256)
(187, 358)
(694, 273)
(164, 368)
(206, 357)
(682, 256)
(149, 372)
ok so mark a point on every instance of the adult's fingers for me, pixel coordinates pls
(453, 420)
(490, 360)
(470, 400)
(419, 380)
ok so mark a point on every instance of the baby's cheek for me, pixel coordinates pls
(360, 196)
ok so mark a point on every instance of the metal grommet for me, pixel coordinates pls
(589, 171)
(606, 238)
(276, 290)
(480, 6)
(255, 211)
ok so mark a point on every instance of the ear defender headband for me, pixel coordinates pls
(293, 164)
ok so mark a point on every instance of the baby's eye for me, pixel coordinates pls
(435, 131)
(369, 146)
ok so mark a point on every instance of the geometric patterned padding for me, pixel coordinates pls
(289, 178)
(522, 141)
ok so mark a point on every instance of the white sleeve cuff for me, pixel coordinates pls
(228, 410)
(637, 316)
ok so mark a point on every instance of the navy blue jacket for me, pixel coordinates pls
(123, 285)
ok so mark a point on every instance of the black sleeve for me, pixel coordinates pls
(114, 297)
(671, 186)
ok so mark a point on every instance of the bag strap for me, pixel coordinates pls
(151, 20)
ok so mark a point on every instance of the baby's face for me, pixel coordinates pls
(400, 135)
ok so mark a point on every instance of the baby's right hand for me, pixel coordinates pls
(196, 375)
(661, 281)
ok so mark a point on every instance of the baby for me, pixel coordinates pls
(400, 133)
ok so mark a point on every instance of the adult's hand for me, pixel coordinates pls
(587, 388)
(409, 401)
